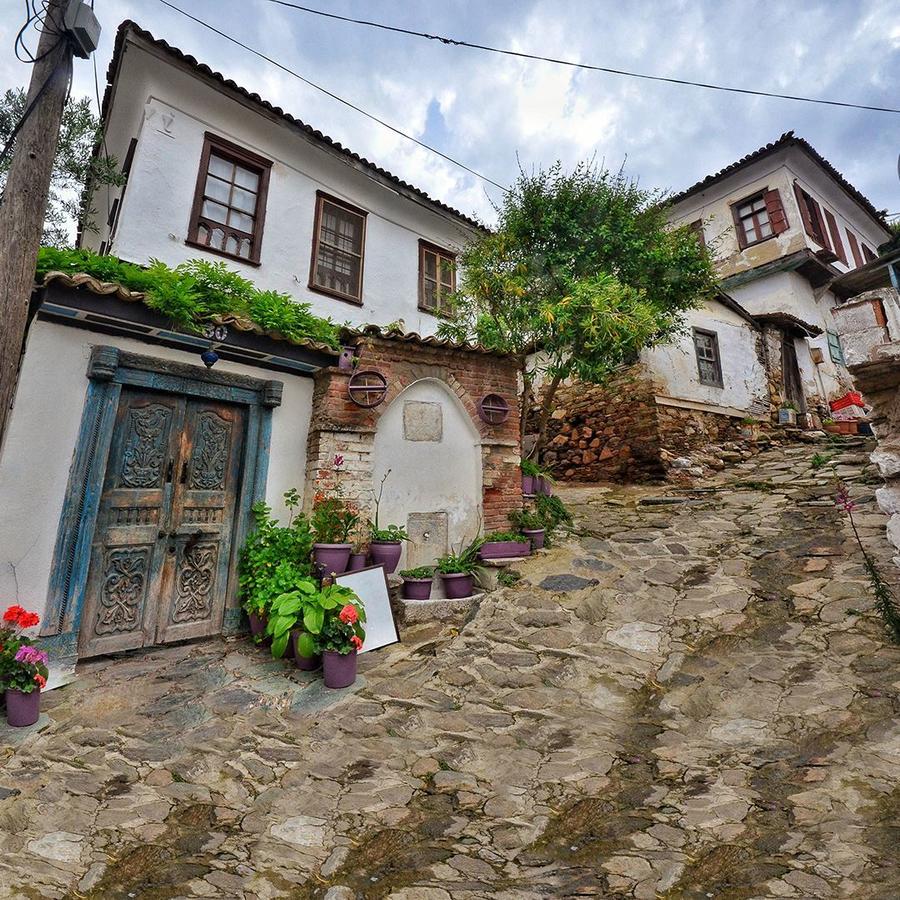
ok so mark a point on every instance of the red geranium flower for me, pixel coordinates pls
(40, 681)
(356, 642)
(348, 615)
(13, 614)
(27, 619)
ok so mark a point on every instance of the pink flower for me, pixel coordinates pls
(843, 499)
(356, 642)
(348, 615)
(31, 655)
(338, 460)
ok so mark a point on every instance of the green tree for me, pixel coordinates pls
(75, 167)
(581, 273)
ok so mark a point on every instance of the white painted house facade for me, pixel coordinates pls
(781, 223)
(215, 172)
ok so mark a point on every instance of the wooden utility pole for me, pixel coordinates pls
(25, 196)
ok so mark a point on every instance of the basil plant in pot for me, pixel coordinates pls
(341, 636)
(417, 583)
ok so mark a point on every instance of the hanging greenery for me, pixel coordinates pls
(195, 292)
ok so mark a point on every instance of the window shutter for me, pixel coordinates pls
(836, 243)
(738, 227)
(811, 214)
(822, 232)
(775, 209)
(804, 210)
(854, 248)
(869, 253)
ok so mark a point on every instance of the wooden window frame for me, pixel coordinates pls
(321, 199)
(245, 158)
(811, 215)
(742, 239)
(426, 246)
(835, 348)
(854, 249)
(720, 381)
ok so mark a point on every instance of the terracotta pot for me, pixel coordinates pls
(357, 562)
(339, 668)
(387, 554)
(22, 709)
(332, 559)
(536, 536)
(457, 585)
(528, 485)
(504, 549)
(257, 624)
(306, 663)
(417, 588)
(842, 427)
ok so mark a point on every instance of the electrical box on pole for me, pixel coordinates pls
(82, 27)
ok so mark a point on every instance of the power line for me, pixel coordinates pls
(334, 96)
(577, 65)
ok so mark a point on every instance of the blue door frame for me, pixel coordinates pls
(109, 370)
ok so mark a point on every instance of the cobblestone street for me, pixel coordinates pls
(691, 698)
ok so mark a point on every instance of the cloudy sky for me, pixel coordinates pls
(495, 113)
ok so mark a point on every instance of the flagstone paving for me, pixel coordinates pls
(692, 698)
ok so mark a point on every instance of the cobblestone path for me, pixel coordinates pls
(692, 698)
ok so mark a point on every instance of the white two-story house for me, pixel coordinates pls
(781, 223)
(215, 171)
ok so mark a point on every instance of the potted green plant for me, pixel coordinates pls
(295, 619)
(417, 583)
(385, 544)
(503, 545)
(841, 426)
(530, 473)
(333, 519)
(341, 636)
(273, 559)
(23, 667)
(531, 525)
(457, 571)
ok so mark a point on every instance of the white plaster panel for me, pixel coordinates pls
(426, 476)
(38, 448)
(674, 366)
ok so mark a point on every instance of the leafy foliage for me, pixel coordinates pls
(552, 511)
(582, 267)
(275, 559)
(461, 562)
(342, 631)
(74, 167)
(527, 519)
(197, 291)
(392, 533)
(306, 607)
(419, 572)
(502, 537)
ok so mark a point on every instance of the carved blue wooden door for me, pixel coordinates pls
(161, 548)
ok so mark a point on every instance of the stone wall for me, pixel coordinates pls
(340, 427)
(620, 432)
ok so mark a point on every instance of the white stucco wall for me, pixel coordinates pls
(39, 444)
(176, 109)
(430, 476)
(674, 366)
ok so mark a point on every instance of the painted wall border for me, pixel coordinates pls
(109, 370)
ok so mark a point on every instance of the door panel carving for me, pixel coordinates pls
(162, 546)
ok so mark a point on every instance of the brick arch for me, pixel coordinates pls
(338, 426)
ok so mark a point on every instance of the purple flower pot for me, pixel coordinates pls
(504, 549)
(257, 624)
(536, 536)
(416, 588)
(23, 709)
(332, 559)
(306, 663)
(387, 554)
(340, 668)
(357, 562)
(543, 486)
(457, 585)
(528, 484)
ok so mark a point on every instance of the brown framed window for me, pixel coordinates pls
(437, 278)
(868, 253)
(230, 200)
(758, 217)
(339, 240)
(836, 242)
(709, 363)
(854, 249)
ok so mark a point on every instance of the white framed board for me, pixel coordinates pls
(371, 586)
